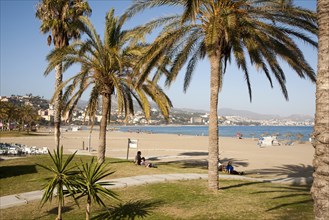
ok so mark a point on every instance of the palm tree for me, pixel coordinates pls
(9, 114)
(60, 17)
(89, 184)
(320, 185)
(63, 175)
(257, 30)
(27, 115)
(108, 67)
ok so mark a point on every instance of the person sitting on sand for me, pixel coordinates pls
(147, 164)
(138, 158)
(230, 169)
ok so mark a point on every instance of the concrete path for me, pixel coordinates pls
(25, 198)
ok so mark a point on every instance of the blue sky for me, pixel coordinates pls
(24, 48)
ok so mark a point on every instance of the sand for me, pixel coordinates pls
(276, 161)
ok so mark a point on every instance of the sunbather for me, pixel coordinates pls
(230, 169)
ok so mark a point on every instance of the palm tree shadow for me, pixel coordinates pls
(297, 174)
(235, 162)
(129, 210)
(293, 193)
(201, 164)
(290, 204)
(239, 185)
(194, 154)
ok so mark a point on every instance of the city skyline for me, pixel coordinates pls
(24, 49)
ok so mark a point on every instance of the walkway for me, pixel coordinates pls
(24, 198)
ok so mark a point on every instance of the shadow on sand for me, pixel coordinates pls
(297, 174)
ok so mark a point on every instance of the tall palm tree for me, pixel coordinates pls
(320, 187)
(108, 67)
(221, 30)
(60, 17)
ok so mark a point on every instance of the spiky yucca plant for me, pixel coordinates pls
(62, 180)
(89, 184)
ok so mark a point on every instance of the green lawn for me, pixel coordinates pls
(171, 200)
(23, 175)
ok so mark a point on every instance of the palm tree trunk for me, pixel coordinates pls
(102, 130)
(320, 187)
(213, 183)
(57, 105)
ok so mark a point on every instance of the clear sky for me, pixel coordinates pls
(24, 48)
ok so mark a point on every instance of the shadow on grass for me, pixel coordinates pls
(129, 210)
(240, 185)
(54, 211)
(291, 204)
(114, 161)
(17, 170)
(293, 193)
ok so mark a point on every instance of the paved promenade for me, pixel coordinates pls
(25, 198)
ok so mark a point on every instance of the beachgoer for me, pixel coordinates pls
(147, 164)
(230, 169)
(220, 166)
(138, 158)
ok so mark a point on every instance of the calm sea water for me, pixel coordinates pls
(226, 131)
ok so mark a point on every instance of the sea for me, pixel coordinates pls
(282, 132)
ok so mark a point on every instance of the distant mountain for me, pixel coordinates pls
(227, 112)
(296, 117)
(189, 110)
(248, 114)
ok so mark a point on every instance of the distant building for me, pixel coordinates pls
(196, 120)
(47, 114)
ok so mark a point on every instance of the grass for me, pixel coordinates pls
(23, 175)
(171, 200)
(192, 200)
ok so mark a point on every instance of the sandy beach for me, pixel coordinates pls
(275, 161)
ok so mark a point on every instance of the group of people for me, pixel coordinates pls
(229, 168)
(139, 160)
